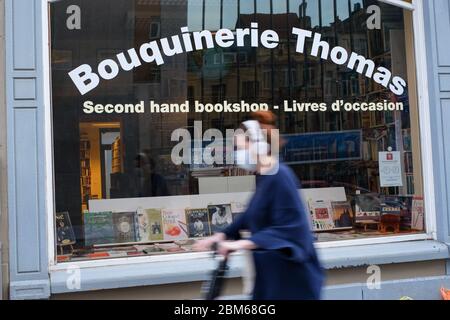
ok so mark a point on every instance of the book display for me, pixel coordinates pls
(146, 231)
(335, 215)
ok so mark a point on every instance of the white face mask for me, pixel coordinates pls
(245, 160)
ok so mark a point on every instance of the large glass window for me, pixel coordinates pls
(118, 193)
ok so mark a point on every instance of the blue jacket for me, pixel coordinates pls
(286, 263)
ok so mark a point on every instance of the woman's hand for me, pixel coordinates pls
(206, 244)
(227, 247)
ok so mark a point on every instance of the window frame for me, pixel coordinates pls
(425, 148)
(401, 3)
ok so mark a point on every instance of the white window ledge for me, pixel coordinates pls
(386, 253)
(141, 272)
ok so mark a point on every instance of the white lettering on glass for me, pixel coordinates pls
(86, 79)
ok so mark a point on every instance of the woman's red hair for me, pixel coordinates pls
(267, 121)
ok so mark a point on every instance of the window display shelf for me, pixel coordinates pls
(146, 271)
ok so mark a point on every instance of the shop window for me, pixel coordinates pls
(119, 194)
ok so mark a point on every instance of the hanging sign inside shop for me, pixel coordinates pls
(86, 78)
(390, 169)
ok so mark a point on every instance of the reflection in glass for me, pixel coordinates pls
(342, 10)
(247, 6)
(263, 6)
(279, 6)
(212, 15)
(327, 8)
(230, 14)
(195, 15)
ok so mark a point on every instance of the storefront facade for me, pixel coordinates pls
(93, 203)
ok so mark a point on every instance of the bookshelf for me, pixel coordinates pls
(116, 158)
(85, 171)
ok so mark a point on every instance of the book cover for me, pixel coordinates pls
(170, 247)
(367, 207)
(174, 224)
(220, 217)
(152, 250)
(64, 230)
(150, 225)
(98, 228)
(155, 225)
(125, 227)
(238, 207)
(391, 205)
(398, 205)
(321, 215)
(143, 226)
(343, 215)
(417, 214)
(198, 223)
